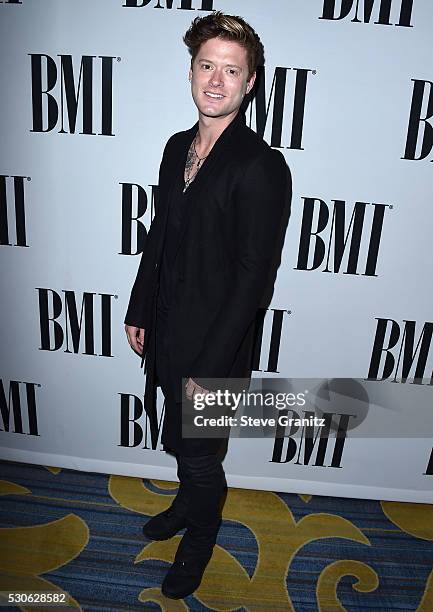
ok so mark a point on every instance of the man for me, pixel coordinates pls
(210, 255)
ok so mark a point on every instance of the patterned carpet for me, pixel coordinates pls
(81, 532)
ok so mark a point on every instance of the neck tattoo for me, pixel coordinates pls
(192, 160)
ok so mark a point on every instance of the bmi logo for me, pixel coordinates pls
(58, 88)
(134, 207)
(267, 115)
(18, 407)
(314, 444)
(186, 5)
(401, 350)
(420, 130)
(132, 427)
(386, 12)
(77, 323)
(12, 211)
(331, 241)
(267, 351)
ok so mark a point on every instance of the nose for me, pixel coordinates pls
(216, 78)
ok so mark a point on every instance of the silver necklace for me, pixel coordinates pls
(189, 164)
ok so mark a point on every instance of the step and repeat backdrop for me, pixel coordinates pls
(90, 92)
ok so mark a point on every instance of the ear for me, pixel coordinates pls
(250, 82)
(190, 74)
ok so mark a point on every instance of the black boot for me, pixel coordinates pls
(167, 523)
(164, 525)
(191, 559)
(206, 484)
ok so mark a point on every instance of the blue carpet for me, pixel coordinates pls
(81, 532)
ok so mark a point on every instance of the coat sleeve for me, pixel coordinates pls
(263, 195)
(141, 293)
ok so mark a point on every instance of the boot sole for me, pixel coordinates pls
(161, 538)
(177, 596)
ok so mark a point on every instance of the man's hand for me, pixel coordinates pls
(135, 337)
(192, 388)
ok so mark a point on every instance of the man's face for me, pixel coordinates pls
(219, 77)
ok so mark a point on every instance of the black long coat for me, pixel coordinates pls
(229, 249)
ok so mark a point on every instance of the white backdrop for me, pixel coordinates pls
(355, 95)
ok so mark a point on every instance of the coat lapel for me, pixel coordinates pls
(207, 170)
(178, 168)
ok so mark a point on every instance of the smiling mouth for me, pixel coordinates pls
(214, 96)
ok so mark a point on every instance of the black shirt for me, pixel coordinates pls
(175, 216)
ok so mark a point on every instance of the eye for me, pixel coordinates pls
(233, 71)
(206, 66)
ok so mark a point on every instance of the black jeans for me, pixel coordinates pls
(202, 486)
(200, 498)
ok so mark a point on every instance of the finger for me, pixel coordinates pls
(197, 390)
(137, 348)
(195, 385)
(189, 388)
(135, 345)
(129, 334)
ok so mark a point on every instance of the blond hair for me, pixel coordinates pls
(227, 27)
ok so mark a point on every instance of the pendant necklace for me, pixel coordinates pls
(189, 165)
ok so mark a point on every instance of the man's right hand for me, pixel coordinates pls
(135, 337)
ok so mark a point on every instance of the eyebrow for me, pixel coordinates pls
(202, 59)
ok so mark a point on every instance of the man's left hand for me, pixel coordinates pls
(192, 387)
